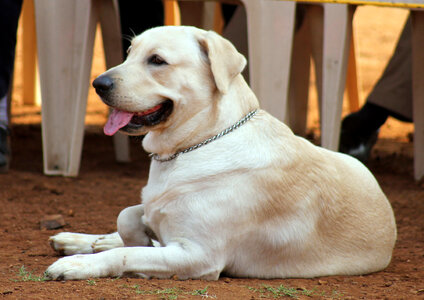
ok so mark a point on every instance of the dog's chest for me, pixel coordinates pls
(158, 199)
(153, 204)
(172, 194)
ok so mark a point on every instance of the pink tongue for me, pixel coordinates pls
(117, 120)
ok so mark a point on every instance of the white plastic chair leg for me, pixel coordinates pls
(315, 16)
(337, 31)
(418, 91)
(111, 31)
(299, 80)
(270, 34)
(65, 34)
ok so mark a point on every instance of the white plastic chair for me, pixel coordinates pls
(270, 41)
(337, 33)
(65, 35)
(270, 35)
(269, 77)
(271, 29)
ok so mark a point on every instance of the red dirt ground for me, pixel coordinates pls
(91, 202)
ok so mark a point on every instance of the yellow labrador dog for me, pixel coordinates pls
(231, 189)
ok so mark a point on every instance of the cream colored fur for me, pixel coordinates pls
(259, 202)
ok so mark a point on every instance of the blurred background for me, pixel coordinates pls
(376, 32)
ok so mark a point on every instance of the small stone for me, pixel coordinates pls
(7, 292)
(52, 222)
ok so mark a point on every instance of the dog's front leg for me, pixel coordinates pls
(132, 232)
(131, 228)
(183, 260)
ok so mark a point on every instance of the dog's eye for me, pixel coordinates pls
(156, 60)
(129, 50)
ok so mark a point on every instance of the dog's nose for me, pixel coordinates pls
(103, 84)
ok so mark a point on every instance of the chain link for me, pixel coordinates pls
(209, 140)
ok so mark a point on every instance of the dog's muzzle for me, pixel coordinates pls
(126, 121)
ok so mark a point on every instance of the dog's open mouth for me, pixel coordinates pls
(131, 121)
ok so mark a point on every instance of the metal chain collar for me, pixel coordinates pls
(205, 142)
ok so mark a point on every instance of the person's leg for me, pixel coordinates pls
(9, 16)
(4, 136)
(393, 91)
(138, 16)
(391, 96)
(4, 118)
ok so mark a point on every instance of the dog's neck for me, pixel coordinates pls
(224, 113)
(228, 130)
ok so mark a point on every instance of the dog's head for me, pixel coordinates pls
(170, 74)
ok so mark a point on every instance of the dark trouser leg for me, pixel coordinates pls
(391, 96)
(9, 16)
(138, 16)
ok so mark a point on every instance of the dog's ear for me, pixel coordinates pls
(225, 61)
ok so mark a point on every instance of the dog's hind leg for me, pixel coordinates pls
(69, 243)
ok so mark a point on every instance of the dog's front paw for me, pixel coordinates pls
(69, 243)
(107, 242)
(82, 266)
